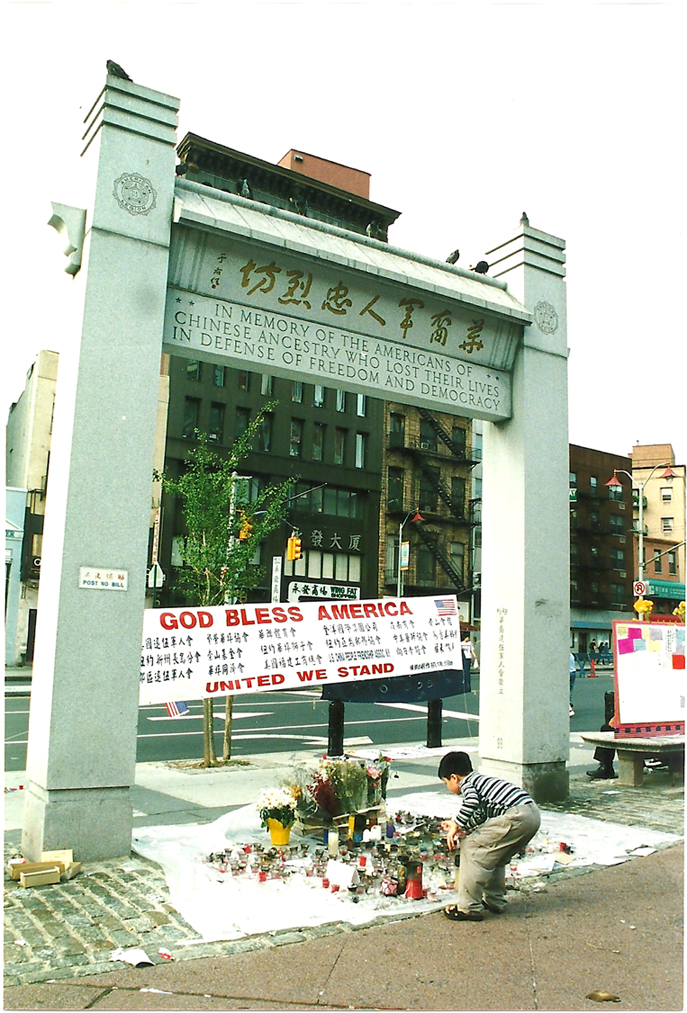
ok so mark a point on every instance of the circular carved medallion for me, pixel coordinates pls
(134, 193)
(546, 317)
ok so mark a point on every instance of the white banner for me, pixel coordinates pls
(191, 653)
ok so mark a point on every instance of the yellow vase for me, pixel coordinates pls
(279, 834)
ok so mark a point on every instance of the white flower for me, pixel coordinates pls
(276, 798)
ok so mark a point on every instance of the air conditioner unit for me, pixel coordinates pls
(623, 573)
(622, 539)
(426, 445)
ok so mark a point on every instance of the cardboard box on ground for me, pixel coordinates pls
(53, 867)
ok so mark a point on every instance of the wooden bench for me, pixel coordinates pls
(632, 751)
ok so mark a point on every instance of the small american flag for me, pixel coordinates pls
(445, 607)
(178, 709)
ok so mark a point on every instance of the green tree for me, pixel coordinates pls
(224, 528)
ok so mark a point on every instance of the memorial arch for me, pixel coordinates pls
(168, 265)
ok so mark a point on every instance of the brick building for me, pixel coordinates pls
(601, 566)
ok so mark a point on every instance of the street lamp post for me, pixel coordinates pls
(668, 473)
(399, 573)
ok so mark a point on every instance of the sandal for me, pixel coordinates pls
(456, 915)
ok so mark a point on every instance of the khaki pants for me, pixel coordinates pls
(486, 851)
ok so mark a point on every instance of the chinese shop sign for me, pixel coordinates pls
(188, 654)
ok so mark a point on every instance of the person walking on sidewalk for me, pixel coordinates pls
(469, 656)
(496, 820)
(573, 675)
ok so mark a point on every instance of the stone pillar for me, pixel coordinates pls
(524, 721)
(84, 699)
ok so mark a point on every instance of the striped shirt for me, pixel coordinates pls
(485, 797)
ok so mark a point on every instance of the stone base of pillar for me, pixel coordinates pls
(96, 823)
(545, 782)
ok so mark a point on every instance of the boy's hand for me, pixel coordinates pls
(453, 832)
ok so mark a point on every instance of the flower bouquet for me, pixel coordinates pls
(277, 806)
(339, 786)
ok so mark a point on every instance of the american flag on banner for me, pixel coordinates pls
(446, 607)
(178, 709)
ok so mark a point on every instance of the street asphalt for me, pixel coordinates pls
(578, 932)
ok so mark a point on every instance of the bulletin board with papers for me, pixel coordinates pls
(650, 678)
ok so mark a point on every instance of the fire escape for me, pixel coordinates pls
(437, 503)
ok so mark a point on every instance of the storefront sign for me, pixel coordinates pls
(189, 654)
(300, 590)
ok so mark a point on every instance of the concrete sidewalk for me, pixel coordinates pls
(616, 929)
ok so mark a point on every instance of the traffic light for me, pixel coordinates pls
(293, 548)
(246, 527)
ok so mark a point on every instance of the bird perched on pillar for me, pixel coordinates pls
(117, 71)
(481, 267)
(453, 257)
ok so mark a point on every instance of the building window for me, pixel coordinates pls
(573, 479)
(426, 567)
(458, 486)
(316, 564)
(341, 400)
(191, 414)
(296, 438)
(618, 559)
(193, 370)
(457, 558)
(615, 492)
(666, 495)
(318, 396)
(265, 433)
(617, 524)
(666, 523)
(593, 485)
(265, 384)
(458, 436)
(428, 436)
(617, 594)
(297, 391)
(328, 500)
(360, 441)
(219, 376)
(241, 422)
(657, 561)
(595, 519)
(672, 563)
(396, 480)
(391, 574)
(361, 405)
(594, 587)
(428, 489)
(339, 446)
(397, 430)
(216, 422)
(318, 441)
(574, 553)
(244, 380)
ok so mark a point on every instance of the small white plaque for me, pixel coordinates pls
(103, 578)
